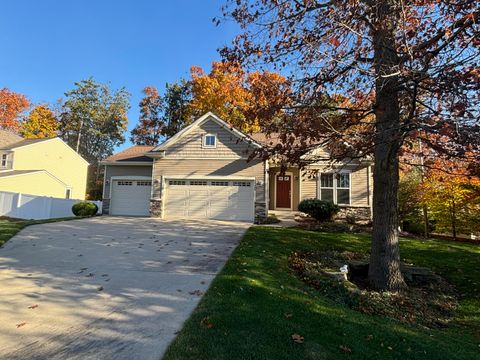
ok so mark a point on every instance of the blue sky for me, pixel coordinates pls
(47, 45)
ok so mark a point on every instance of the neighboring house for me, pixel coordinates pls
(44, 167)
(204, 172)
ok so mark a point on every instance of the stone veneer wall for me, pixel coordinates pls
(156, 207)
(360, 213)
(260, 212)
(106, 206)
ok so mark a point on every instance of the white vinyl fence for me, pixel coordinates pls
(25, 206)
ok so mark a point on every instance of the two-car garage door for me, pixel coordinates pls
(209, 199)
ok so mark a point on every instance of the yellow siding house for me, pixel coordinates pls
(44, 167)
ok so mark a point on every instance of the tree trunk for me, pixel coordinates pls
(384, 270)
(426, 231)
(79, 135)
(454, 220)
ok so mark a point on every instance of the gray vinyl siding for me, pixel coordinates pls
(210, 167)
(123, 171)
(190, 145)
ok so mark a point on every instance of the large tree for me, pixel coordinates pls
(162, 116)
(12, 105)
(177, 114)
(406, 69)
(150, 128)
(236, 96)
(93, 119)
(41, 122)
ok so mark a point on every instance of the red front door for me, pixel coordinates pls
(284, 185)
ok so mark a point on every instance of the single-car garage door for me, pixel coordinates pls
(130, 197)
(210, 199)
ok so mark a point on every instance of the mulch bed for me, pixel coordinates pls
(428, 301)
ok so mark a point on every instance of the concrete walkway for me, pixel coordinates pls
(106, 288)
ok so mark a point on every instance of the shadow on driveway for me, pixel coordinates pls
(107, 287)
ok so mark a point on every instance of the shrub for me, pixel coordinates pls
(318, 209)
(84, 208)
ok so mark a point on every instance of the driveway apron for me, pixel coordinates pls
(107, 287)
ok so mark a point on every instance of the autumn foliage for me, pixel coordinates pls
(245, 100)
(12, 105)
(40, 123)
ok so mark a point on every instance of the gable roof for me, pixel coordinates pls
(208, 116)
(8, 138)
(24, 142)
(8, 173)
(134, 153)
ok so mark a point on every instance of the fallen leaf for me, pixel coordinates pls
(33, 306)
(298, 338)
(21, 324)
(196, 292)
(100, 288)
(206, 322)
(345, 349)
(287, 315)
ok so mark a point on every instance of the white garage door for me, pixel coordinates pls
(210, 199)
(130, 197)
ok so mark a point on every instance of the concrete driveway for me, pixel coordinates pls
(107, 287)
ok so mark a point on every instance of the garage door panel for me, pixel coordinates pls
(210, 199)
(130, 197)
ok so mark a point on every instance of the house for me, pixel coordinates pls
(44, 167)
(204, 172)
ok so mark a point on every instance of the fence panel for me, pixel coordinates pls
(25, 206)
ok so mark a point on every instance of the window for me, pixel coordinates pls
(335, 188)
(242, 183)
(125, 183)
(219, 183)
(210, 141)
(3, 163)
(177, 182)
(144, 183)
(68, 193)
(198, 182)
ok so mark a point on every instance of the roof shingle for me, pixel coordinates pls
(134, 153)
(8, 138)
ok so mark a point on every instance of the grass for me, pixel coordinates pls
(9, 227)
(256, 304)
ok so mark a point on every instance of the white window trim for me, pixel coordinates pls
(4, 157)
(204, 139)
(335, 201)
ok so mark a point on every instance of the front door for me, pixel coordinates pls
(284, 186)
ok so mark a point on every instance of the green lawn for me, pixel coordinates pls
(9, 227)
(255, 304)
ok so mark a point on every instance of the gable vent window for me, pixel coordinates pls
(210, 140)
(3, 163)
(335, 188)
